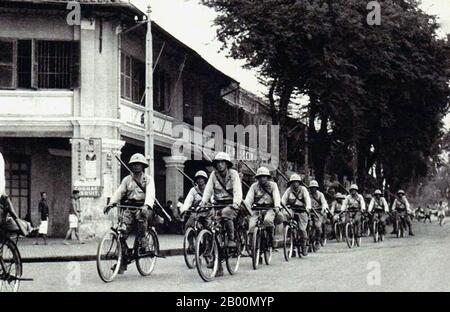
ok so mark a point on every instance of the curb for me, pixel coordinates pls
(86, 258)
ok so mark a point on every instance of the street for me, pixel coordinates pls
(417, 263)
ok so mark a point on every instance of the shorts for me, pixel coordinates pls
(73, 221)
(43, 227)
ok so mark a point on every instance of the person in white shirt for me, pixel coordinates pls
(265, 194)
(402, 208)
(354, 205)
(379, 208)
(336, 208)
(441, 212)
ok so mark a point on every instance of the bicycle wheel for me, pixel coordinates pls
(189, 247)
(288, 242)
(243, 241)
(267, 247)
(206, 255)
(357, 239)
(233, 256)
(10, 267)
(324, 238)
(146, 259)
(375, 232)
(337, 232)
(256, 248)
(109, 257)
(349, 235)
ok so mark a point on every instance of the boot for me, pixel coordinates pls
(304, 249)
(219, 272)
(229, 225)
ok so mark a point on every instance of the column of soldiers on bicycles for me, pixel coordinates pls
(306, 204)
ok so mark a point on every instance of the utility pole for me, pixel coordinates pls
(149, 130)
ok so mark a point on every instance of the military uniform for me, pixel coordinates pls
(354, 206)
(299, 203)
(130, 194)
(193, 199)
(320, 206)
(379, 209)
(225, 191)
(258, 197)
(402, 208)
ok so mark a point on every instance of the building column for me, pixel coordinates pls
(174, 179)
(94, 222)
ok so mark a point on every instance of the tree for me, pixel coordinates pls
(360, 79)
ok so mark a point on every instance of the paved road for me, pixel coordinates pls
(419, 263)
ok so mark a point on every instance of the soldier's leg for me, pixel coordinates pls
(317, 221)
(357, 224)
(303, 224)
(229, 214)
(142, 218)
(269, 223)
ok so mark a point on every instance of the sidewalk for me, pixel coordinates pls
(56, 251)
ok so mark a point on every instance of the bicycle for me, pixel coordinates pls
(350, 236)
(261, 243)
(441, 218)
(212, 246)
(190, 237)
(291, 237)
(400, 224)
(378, 229)
(11, 265)
(113, 250)
(338, 229)
(365, 226)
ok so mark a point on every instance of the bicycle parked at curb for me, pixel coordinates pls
(260, 240)
(113, 250)
(212, 247)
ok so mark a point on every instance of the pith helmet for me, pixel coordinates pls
(377, 192)
(138, 159)
(294, 178)
(201, 174)
(222, 156)
(401, 192)
(263, 172)
(340, 196)
(354, 187)
(313, 183)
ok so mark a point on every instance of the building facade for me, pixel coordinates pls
(72, 99)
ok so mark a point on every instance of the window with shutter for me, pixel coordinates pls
(8, 63)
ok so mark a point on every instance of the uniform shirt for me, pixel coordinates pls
(2, 176)
(354, 202)
(129, 189)
(289, 197)
(257, 196)
(336, 207)
(401, 204)
(318, 201)
(233, 186)
(378, 205)
(193, 199)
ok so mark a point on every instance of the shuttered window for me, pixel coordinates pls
(39, 64)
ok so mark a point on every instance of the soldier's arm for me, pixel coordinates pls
(209, 190)
(284, 199)
(386, 206)
(324, 203)
(250, 198)
(188, 201)
(237, 190)
(307, 198)
(150, 193)
(276, 196)
(119, 193)
(372, 202)
(345, 204)
(363, 203)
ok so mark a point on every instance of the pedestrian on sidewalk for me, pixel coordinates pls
(43, 213)
(74, 219)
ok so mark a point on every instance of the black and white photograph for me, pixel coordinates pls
(224, 147)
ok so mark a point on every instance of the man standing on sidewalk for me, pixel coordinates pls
(43, 213)
(74, 218)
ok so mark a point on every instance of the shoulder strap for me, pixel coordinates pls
(222, 185)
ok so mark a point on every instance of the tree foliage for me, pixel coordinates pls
(379, 92)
